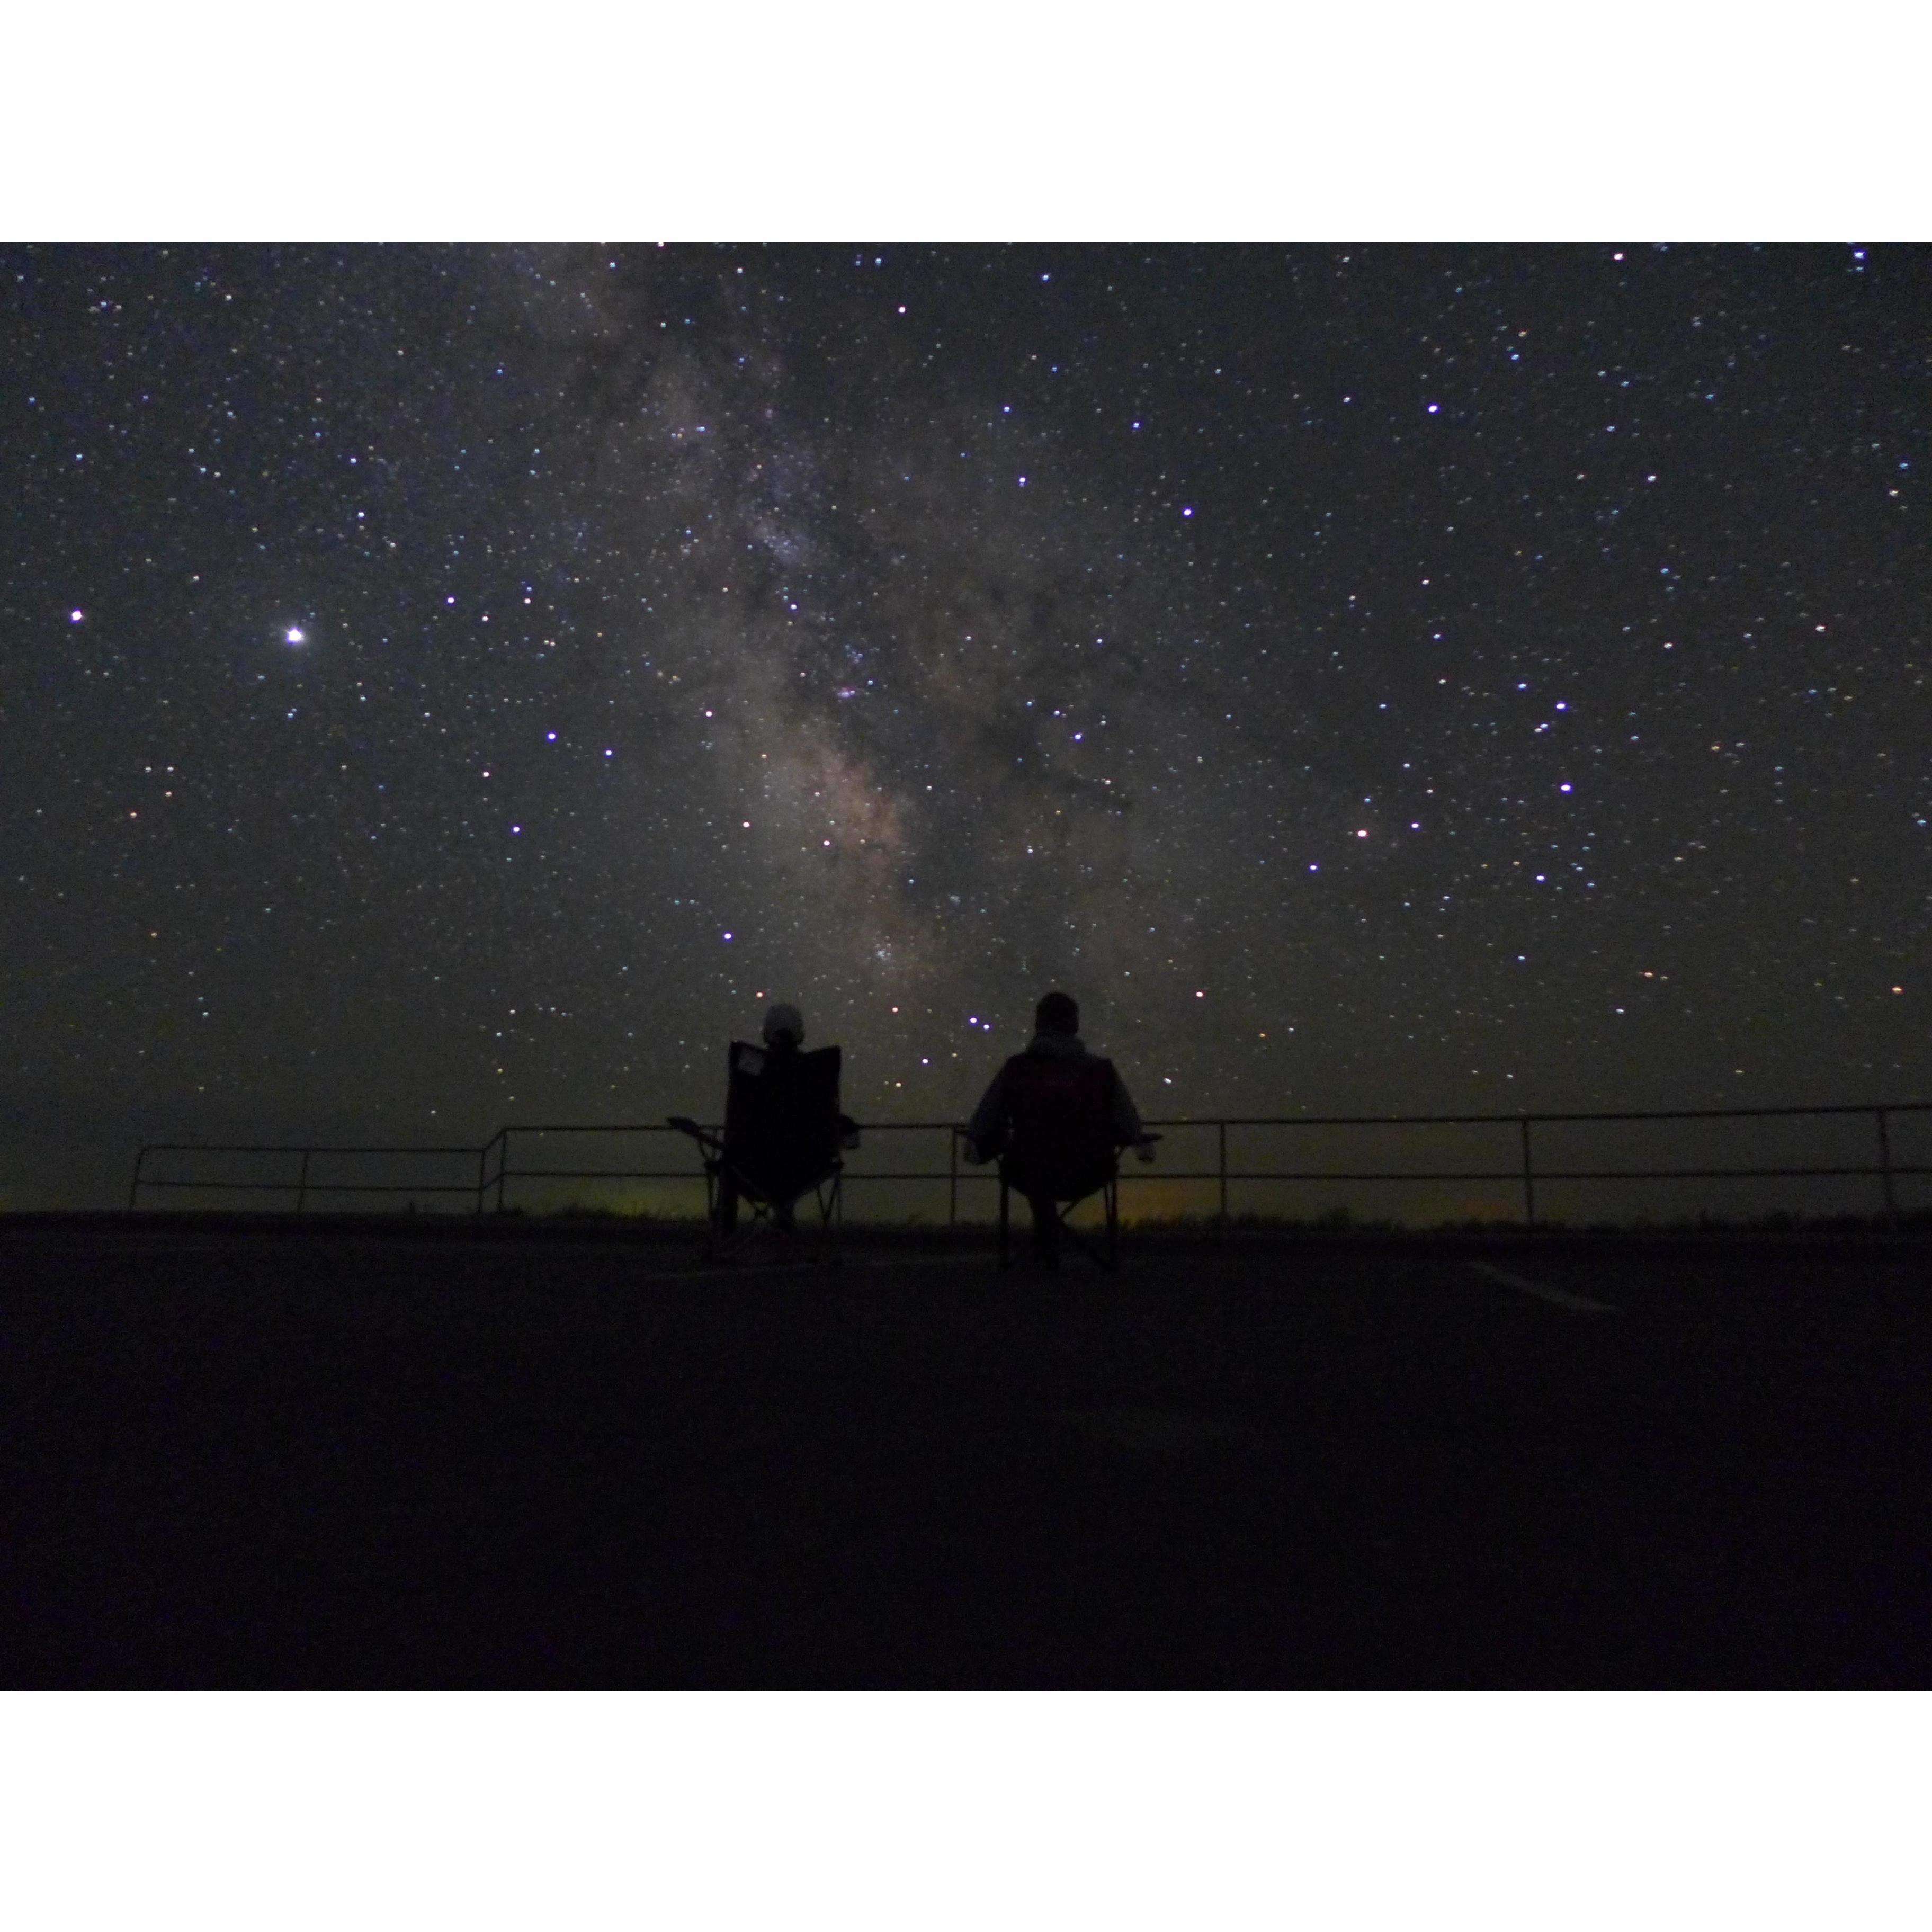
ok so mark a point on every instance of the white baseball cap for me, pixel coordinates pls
(784, 1018)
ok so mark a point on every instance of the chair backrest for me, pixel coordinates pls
(1061, 1141)
(782, 1122)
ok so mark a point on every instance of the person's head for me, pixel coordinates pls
(1057, 1013)
(784, 1019)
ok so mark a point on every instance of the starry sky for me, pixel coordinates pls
(445, 686)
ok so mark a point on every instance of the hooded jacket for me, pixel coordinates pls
(986, 1132)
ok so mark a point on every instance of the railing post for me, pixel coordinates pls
(302, 1185)
(502, 1165)
(952, 1178)
(1221, 1128)
(134, 1186)
(1885, 1167)
(1528, 1178)
(482, 1168)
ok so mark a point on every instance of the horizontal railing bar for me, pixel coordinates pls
(211, 1146)
(1207, 1173)
(992, 1176)
(1514, 1173)
(238, 1187)
(1542, 1174)
(319, 1187)
(1204, 1123)
(1328, 1120)
(687, 1174)
(468, 1186)
(1537, 1120)
(1712, 1173)
(602, 1174)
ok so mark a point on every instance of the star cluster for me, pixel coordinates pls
(445, 686)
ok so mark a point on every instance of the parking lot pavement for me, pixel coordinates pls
(307, 1458)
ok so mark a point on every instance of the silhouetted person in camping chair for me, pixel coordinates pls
(1056, 1118)
(783, 1136)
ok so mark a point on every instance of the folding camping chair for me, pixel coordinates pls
(782, 1139)
(1060, 1149)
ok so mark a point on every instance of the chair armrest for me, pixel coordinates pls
(710, 1143)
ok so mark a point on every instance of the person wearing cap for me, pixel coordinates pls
(783, 1035)
(784, 1022)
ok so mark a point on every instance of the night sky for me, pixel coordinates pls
(444, 686)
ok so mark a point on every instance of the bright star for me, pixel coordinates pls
(294, 635)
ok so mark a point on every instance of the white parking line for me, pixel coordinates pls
(1580, 1304)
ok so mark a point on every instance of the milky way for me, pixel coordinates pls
(448, 685)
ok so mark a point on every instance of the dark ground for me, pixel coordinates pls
(361, 1456)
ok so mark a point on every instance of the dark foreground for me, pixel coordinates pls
(291, 1457)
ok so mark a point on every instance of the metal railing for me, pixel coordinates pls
(301, 1184)
(305, 1186)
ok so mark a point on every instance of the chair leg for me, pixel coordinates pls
(750, 1217)
(1101, 1248)
(1062, 1234)
(712, 1236)
(832, 1222)
(728, 1247)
